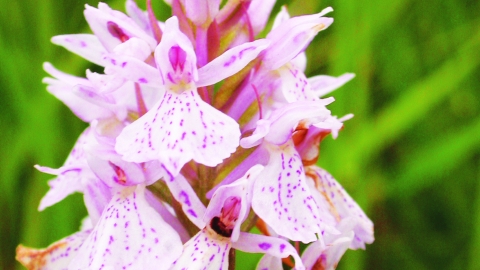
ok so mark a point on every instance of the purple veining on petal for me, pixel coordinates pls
(230, 61)
(240, 54)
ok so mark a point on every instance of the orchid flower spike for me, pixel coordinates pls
(198, 132)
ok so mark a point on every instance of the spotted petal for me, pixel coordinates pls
(85, 45)
(179, 128)
(134, 70)
(241, 189)
(113, 27)
(57, 256)
(130, 234)
(294, 84)
(255, 243)
(70, 177)
(282, 198)
(230, 62)
(62, 88)
(183, 192)
(167, 215)
(330, 193)
(206, 250)
(292, 36)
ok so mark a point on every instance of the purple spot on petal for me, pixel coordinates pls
(185, 198)
(192, 213)
(264, 246)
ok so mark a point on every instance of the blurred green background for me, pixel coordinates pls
(410, 157)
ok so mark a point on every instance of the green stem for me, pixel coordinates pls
(206, 177)
(161, 191)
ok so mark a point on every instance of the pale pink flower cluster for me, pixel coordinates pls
(198, 132)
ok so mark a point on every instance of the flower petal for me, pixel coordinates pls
(85, 45)
(202, 12)
(66, 183)
(180, 128)
(139, 16)
(70, 177)
(230, 62)
(242, 189)
(262, 130)
(317, 255)
(62, 88)
(113, 27)
(134, 70)
(183, 192)
(105, 83)
(255, 243)
(168, 215)
(282, 16)
(269, 262)
(294, 84)
(117, 172)
(134, 47)
(258, 157)
(205, 250)
(284, 120)
(341, 206)
(131, 234)
(292, 36)
(258, 13)
(175, 57)
(57, 256)
(96, 196)
(282, 198)
(323, 85)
